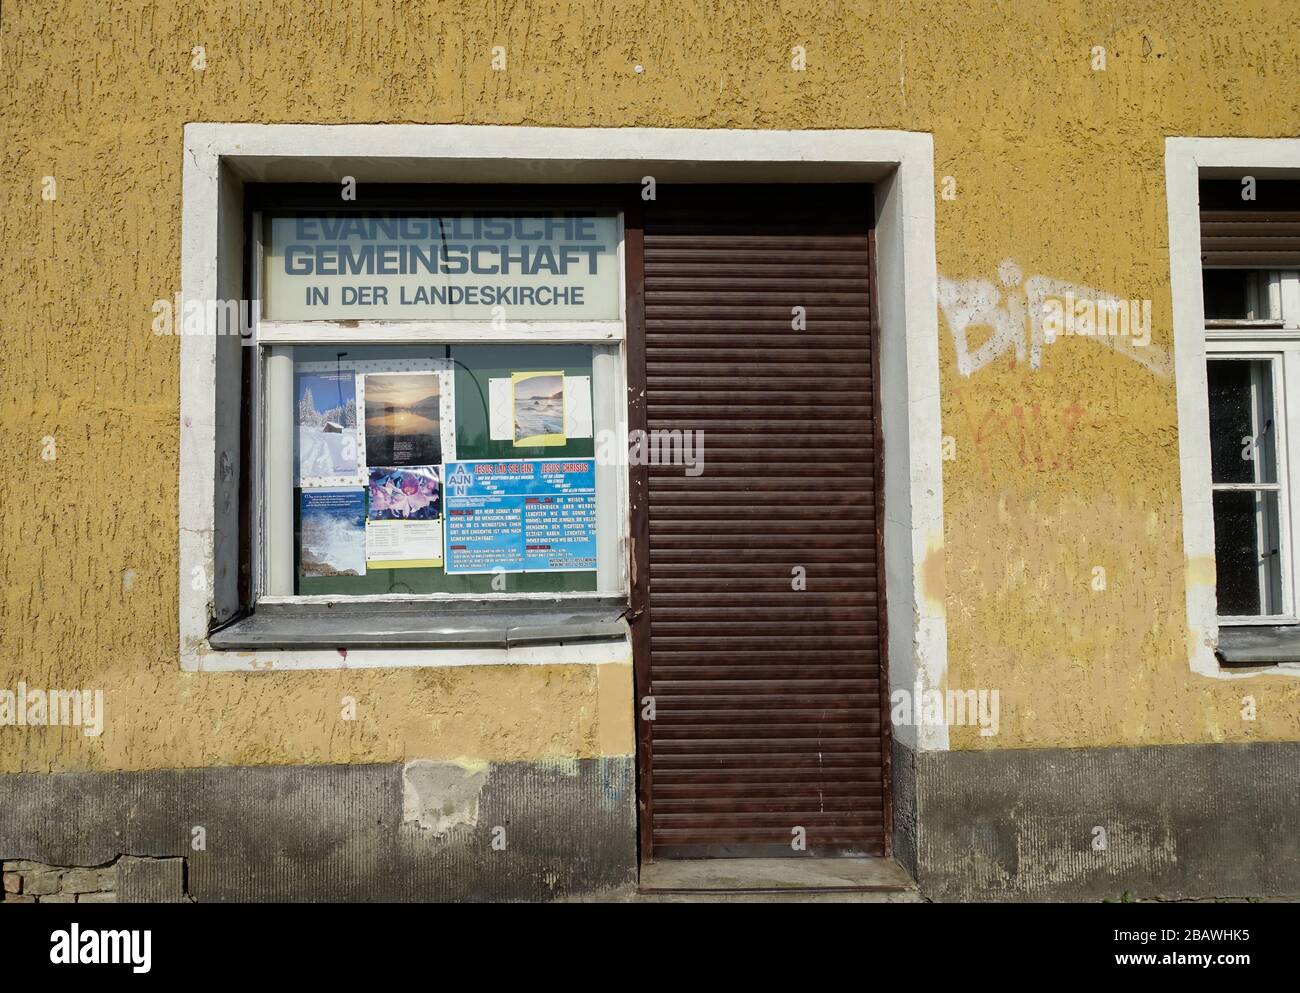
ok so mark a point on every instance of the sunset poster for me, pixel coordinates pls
(402, 425)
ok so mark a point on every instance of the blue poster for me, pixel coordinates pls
(332, 532)
(523, 515)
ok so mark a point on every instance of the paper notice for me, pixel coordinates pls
(525, 515)
(403, 544)
(332, 539)
(538, 409)
(326, 414)
(577, 406)
(501, 426)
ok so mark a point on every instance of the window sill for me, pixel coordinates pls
(1256, 646)
(474, 624)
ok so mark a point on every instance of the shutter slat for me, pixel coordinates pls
(1263, 233)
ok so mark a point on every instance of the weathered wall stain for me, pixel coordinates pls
(331, 832)
(442, 796)
(1162, 821)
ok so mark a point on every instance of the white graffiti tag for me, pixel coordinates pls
(1016, 314)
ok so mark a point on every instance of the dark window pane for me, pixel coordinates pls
(1237, 295)
(1237, 553)
(1242, 432)
(1227, 296)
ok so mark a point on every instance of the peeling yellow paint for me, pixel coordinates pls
(1200, 571)
(932, 577)
(616, 725)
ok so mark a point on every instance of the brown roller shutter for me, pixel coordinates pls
(1263, 233)
(768, 699)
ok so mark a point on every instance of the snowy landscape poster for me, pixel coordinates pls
(327, 426)
(332, 532)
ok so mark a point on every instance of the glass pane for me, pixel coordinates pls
(444, 469)
(1246, 553)
(1237, 295)
(1243, 443)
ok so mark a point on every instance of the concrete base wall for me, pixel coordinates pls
(1179, 822)
(435, 831)
(1168, 821)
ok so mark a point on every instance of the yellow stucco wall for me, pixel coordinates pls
(1058, 168)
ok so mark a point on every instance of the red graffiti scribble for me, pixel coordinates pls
(1043, 440)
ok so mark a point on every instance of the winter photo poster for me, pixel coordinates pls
(327, 427)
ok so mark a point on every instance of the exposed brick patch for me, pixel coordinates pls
(127, 877)
(42, 883)
(36, 882)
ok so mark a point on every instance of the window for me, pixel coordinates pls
(1253, 377)
(434, 415)
(1251, 299)
(432, 404)
(1241, 296)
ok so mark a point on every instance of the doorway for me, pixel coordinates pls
(762, 691)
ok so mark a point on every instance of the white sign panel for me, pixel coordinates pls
(535, 267)
(577, 408)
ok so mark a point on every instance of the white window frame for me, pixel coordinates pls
(218, 158)
(1284, 369)
(273, 553)
(1188, 161)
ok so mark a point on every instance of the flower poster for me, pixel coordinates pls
(404, 519)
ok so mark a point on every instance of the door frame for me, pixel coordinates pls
(639, 531)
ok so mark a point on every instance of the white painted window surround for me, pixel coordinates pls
(219, 158)
(1187, 161)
